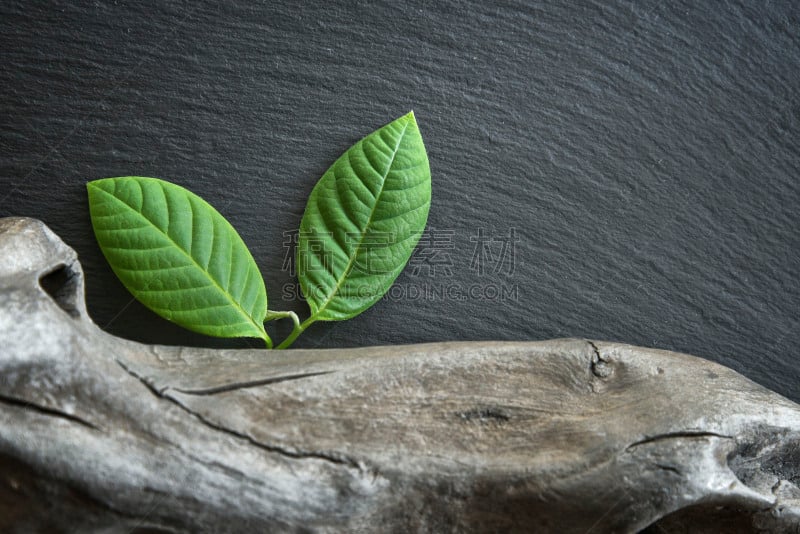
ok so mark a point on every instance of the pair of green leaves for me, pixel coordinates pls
(182, 259)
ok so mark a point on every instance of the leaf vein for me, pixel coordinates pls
(225, 293)
(351, 261)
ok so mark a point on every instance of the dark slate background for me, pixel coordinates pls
(644, 155)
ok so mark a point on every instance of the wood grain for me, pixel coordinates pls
(106, 435)
(646, 154)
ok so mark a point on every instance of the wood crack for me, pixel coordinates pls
(600, 366)
(250, 384)
(332, 457)
(44, 410)
(677, 435)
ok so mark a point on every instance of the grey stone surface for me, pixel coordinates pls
(101, 434)
(645, 152)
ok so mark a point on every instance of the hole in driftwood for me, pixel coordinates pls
(770, 452)
(62, 285)
(484, 414)
(704, 518)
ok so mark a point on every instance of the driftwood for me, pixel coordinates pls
(100, 434)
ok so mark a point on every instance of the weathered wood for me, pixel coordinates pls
(104, 434)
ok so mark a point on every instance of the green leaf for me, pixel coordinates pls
(363, 220)
(178, 256)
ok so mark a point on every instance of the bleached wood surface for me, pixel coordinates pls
(100, 434)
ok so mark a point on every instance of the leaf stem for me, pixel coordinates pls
(299, 328)
(272, 315)
(296, 331)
